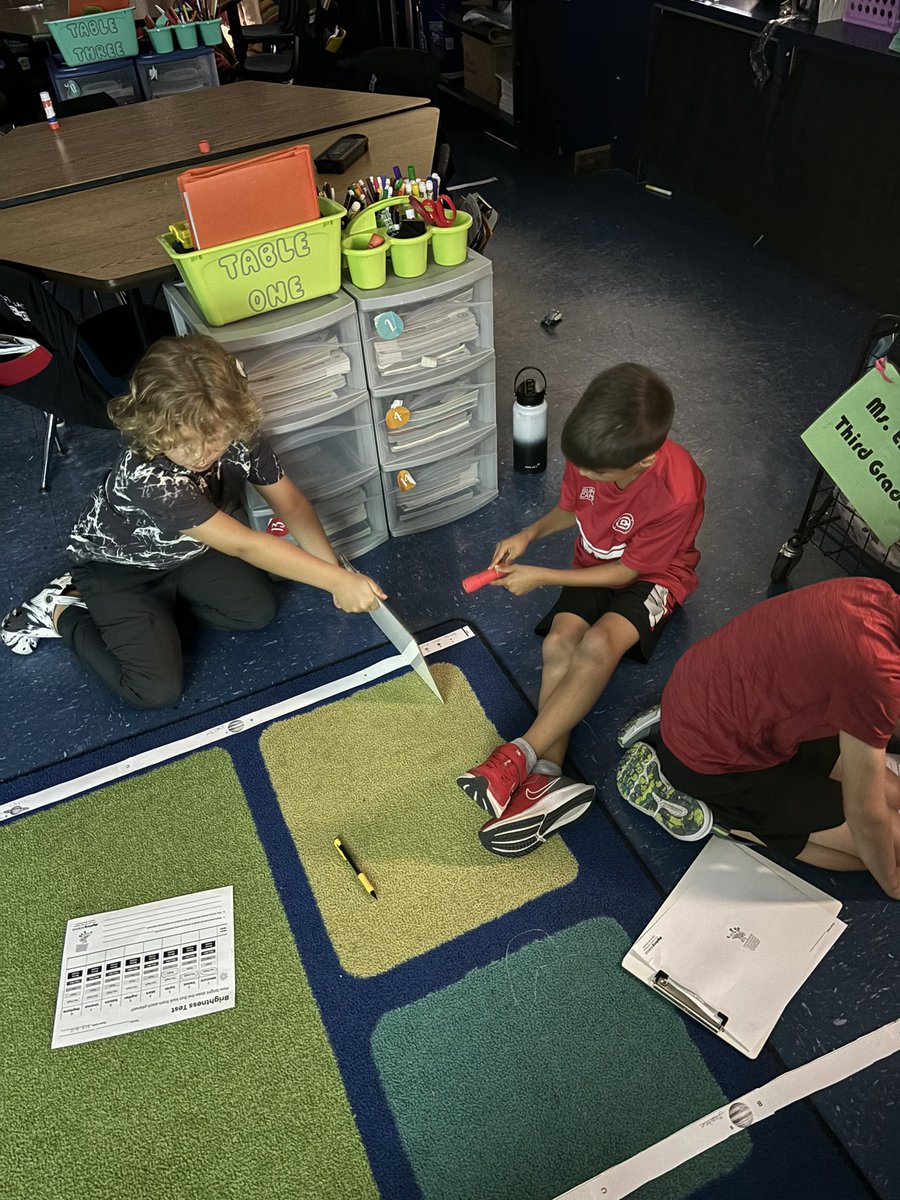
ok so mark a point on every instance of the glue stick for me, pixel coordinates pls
(52, 119)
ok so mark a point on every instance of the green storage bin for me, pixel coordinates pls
(259, 274)
(96, 38)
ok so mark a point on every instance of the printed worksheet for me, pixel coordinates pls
(143, 966)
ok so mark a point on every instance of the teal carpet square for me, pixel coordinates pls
(542, 1069)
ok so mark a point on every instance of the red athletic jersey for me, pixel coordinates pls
(804, 665)
(648, 526)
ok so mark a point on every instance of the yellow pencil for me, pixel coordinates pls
(348, 859)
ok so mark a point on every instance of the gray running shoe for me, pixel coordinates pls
(645, 724)
(641, 782)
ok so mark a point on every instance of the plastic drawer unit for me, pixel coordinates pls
(301, 362)
(179, 71)
(330, 455)
(425, 491)
(117, 77)
(419, 420)
(445, 319)
(354, 519)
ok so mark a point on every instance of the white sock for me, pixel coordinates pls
(530, 756)
(544, 766)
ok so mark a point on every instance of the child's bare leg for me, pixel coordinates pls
(590, 669)
(891, 786)
(560, 644)
(835, 849)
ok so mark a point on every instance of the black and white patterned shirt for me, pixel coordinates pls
(136, 516)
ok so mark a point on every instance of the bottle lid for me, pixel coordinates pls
(530, 392)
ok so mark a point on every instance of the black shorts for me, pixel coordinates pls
(647, 606)
(781, 805)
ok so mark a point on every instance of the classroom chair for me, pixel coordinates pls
(76, 367)
(279, 40)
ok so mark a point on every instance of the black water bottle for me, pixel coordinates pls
(530, 423)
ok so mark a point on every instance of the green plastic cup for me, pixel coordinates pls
(368, 267)
(161, 40)
(186, 35)
(449, 246)
(210, 31)
(409, 256)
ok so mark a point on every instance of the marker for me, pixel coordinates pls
(52, 119)
(345, 855)
(648, 187)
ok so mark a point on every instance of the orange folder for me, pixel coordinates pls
(77, 7)
(241, 200)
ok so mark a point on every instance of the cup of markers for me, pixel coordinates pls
(186, 24)
(411, 214)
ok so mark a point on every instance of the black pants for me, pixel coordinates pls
(128, 633)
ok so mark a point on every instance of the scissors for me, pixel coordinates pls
(434, 212)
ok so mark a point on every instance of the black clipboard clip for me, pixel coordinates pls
(690, 1002)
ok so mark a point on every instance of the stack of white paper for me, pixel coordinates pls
(735, 941)
(433, 335)
(345, 515)
(434, 415)
(296, 376)
(437, 483)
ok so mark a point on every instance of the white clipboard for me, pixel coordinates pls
(735, 941)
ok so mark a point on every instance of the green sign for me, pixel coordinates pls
(857, 441)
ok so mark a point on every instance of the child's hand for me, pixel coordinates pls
(520, 579)
(357, 593)
(510, 548)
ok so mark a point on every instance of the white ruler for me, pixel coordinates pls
(626, 1177)
(218, 733)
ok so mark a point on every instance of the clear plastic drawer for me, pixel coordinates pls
(461, 405)
(424, 494)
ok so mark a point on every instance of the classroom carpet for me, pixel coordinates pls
(380, 771)
(470, 1034)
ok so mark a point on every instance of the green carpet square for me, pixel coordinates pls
(240, 1105)
(378, 769)
(537, 1072)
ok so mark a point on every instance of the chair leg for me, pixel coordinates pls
(51, 439)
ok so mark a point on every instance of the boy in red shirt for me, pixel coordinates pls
(779, 722)
(636, 499)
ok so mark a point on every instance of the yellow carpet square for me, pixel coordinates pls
(378, 769)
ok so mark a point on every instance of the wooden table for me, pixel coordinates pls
(105, 238)
(140, 140)
(19, 18)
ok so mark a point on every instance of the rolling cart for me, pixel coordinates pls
(829, 521)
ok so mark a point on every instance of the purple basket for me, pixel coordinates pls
(877, 14)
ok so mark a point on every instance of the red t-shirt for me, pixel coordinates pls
(648, 526)
(801, 666)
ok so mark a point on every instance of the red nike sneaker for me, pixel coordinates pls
(492, 783)
(539, 808)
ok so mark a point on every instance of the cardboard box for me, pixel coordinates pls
(482, 63)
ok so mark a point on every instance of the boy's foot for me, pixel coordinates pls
(491, 784)
(541, 806)
(645, 724)
(641, 782)
(33, 619)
